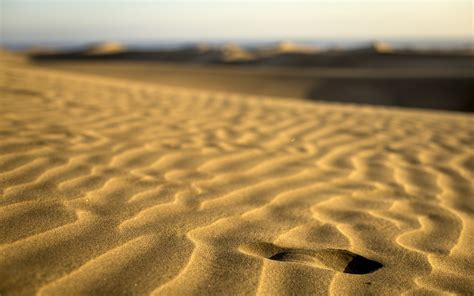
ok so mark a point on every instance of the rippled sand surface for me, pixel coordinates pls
(113, 187)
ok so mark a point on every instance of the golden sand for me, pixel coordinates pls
(114, 187)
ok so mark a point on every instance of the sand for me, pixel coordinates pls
(446, 86)
(374, 74)
(113, 187)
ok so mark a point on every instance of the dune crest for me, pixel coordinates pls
(105, 48)
(233, 52)
(285, 47)
(382, 47)
(117, 187)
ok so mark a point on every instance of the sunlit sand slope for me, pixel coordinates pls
(111, 187)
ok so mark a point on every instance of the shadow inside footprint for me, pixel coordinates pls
(362, 265)
(335, 259)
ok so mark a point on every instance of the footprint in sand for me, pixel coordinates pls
(334, 259)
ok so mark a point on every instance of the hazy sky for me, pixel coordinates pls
(82, 21)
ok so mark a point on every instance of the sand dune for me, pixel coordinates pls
(286, 47)
(373, 74)
(117, 187)
(105, 48)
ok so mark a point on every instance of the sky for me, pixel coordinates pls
(48, 21)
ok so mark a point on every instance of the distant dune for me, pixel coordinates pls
(233, 52)
(292, 53)
(105, 48)
(374, 73)
(286, 47)
(380, 47)
(113, 186)
(383, 47)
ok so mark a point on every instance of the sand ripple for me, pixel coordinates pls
(112, 187)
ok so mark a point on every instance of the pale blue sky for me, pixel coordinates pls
(150, 21)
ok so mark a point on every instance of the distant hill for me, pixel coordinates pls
(284, 53)
(105, 48)
(286, 47)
